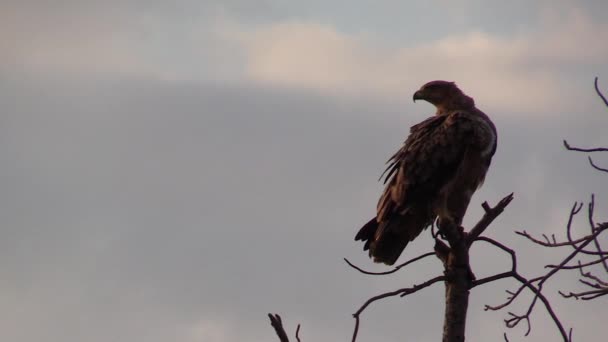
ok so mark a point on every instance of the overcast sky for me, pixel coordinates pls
(173, 171)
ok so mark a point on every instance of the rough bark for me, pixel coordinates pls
(457, 285)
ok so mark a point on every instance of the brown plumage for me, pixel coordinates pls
(434, 174)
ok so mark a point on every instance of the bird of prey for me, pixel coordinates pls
(434, 174)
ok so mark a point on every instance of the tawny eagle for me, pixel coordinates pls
(434, 174)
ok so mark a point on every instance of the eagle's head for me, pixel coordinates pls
(444, 95)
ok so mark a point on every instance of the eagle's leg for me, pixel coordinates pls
(447, 226)
(453, 232)
(441, 226)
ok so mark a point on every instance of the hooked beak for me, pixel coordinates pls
(419, 95)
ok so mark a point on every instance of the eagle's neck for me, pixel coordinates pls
(441, 110)
(446, 110)
(455, 102)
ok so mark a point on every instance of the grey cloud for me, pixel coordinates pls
(177, 40)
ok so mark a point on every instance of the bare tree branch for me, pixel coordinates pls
(578, 149)
(593, 230)
(570, 241)
(599, 286)
(488, 218)
(586, 295)
(401, 292)
(514, 320)
(277, 323)
(596, 149)
(397, 268)
(580, 265)
(298, 333)
(599, 92)
(595, 166)
(599, 255)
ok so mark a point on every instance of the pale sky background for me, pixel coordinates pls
(173, 171)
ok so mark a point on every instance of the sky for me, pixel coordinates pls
(174, 171)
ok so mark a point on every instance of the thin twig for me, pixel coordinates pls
(587, 295)
(595, 166)
(397, 268)
(401, 292)
(550, 243)
(580, 265)
(526, 283)
(298, 333)
(592, 226)
(599, 92)
(599, 283)
(579, 149)
(576, 208)
(538, 295)
(571, 242)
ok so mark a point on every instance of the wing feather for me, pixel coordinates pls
(427, 161)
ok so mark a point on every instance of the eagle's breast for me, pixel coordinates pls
(487, 135)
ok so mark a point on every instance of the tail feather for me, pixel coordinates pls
(367, 233)
(387, 240)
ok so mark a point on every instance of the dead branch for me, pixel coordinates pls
(579, 149)
(277, 323)
(595, 166)
(580, 265)
(515, 319)
(594, 149)
(298, 333)
(488, 217)
(599, 92)
(397, 268)
(594, 232)
(599, 286)
(401, 292)
(570, 241)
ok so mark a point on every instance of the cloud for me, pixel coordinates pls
(36, 40)
(521, 73)
(122, 40)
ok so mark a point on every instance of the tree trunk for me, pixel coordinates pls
(459, 277)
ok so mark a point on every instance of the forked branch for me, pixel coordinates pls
(488, 217)
(515, 319)
(599, 287)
